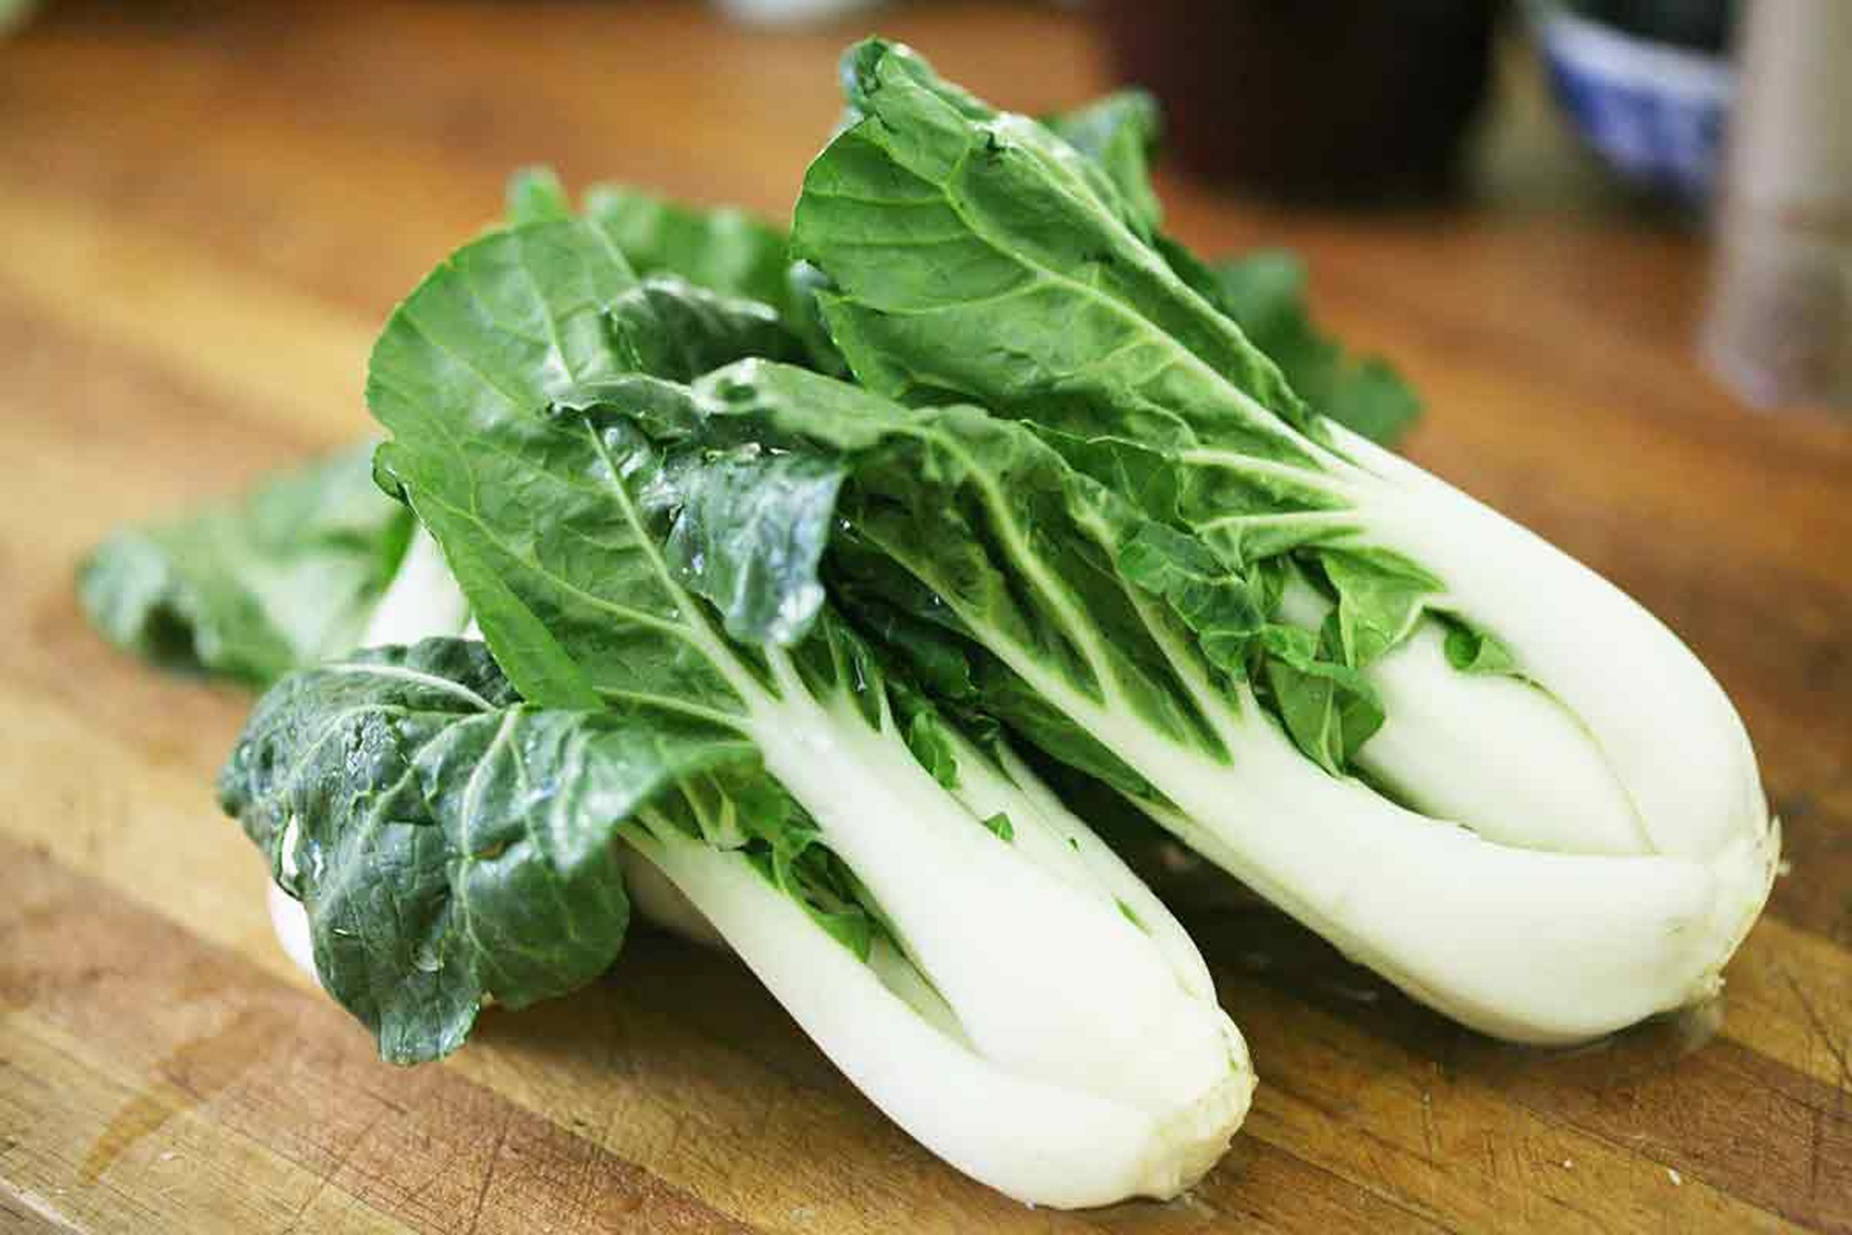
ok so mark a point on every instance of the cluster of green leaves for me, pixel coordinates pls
(453, 844)
(975, 255)
(619, 586)
(625, 426)
(1009, 579)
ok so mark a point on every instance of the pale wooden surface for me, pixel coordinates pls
(202, 219)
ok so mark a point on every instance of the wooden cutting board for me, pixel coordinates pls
(203, 216)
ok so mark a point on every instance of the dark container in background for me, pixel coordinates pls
(1351, 101)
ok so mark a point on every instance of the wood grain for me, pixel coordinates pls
(209, 207)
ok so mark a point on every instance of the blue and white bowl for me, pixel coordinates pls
(1654, 112)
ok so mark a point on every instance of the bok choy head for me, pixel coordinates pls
(675, 680)
(1527, 715)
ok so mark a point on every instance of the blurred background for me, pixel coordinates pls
(270, 127)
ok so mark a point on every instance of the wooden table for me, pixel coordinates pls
(203, 217)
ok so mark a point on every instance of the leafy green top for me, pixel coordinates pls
(253, 587)
(977, 255)
(449, 843)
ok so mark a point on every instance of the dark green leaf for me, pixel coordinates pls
(578, 603)
(749, 538)
(253, 588)
(449, 844)
(680, 330)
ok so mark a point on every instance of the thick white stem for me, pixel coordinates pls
(1493, 753)
(1054, 838)
(1044, 980)
(660, 902)
(1530, 946)
(1040, 1142)
(422, 601)
(1661, 720)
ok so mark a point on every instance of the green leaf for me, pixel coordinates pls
(1329, 709)
(978, 255)
(1380, 598)
(873, 70)
(1000, 824)
(1119, 132)
(1265, 293)
(257, 586)
(1471, 649)
(580, 605)
(450, 844)
(535, 195)
(680, 330)
(971, 260)
(722, 249)
(1223, 610)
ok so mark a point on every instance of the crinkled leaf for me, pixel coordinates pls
(449, 843)
(579, 605)
(257, 586)
(1380, 598)
(1221, 609)
(680, 330)
(978, 254)
(723, 250)
(749, 537)
(1263, 291)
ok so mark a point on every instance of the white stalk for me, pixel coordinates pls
(1491, 752)
(1031, 1033)
(660, 902)
(1658, 718)
(422, 601)
(1532, 946)
(1041, 1142)
(1053, 837)
(1047, 979)
(290, 922)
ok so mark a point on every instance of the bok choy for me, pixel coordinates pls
(964, 948)
(1528, 803)
(726, 573)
